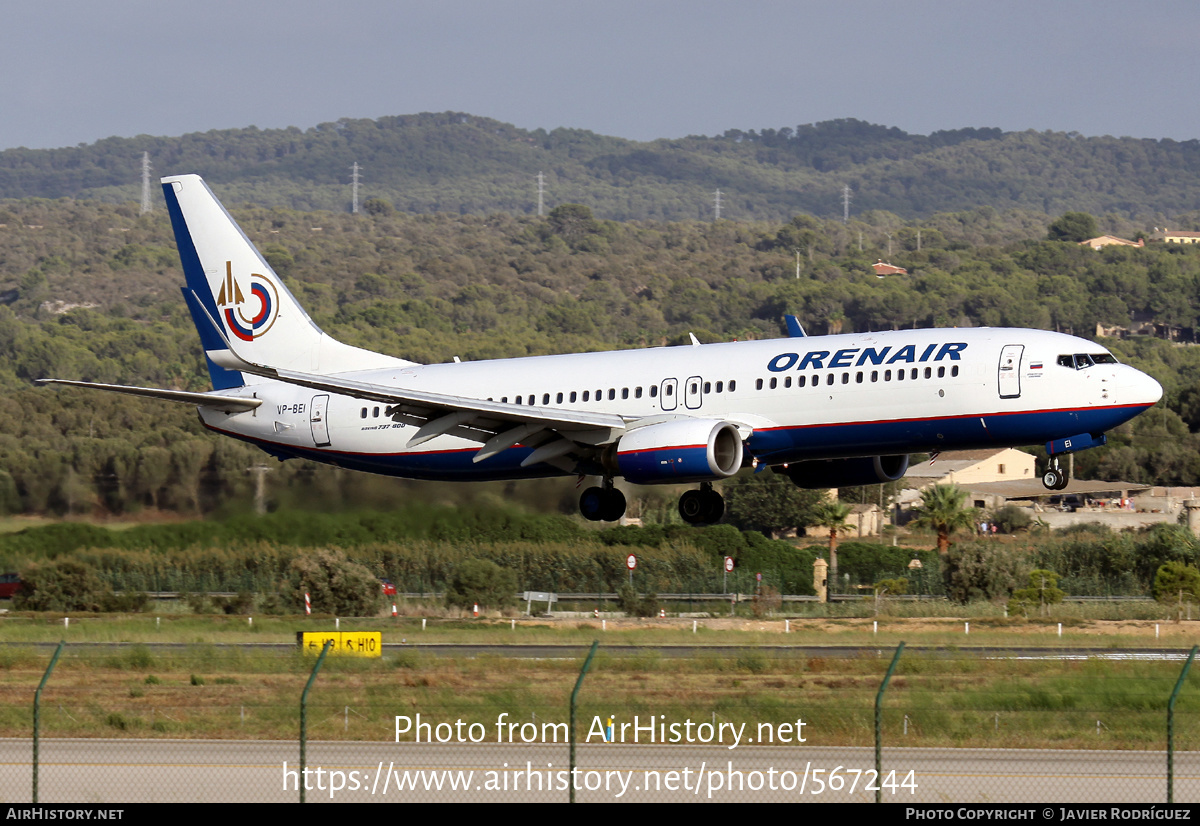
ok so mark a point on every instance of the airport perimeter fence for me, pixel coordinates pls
(223, 724)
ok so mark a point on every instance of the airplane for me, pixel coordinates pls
(827, 411)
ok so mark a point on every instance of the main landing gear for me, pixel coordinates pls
(701, 507)
(602, 504)
(1055, 478)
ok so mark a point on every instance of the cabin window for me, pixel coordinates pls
(899, 375)
(612, 394)
(954, 370)
(558, 399)
(787, 382)
(774, 382)
(941, 372)
(758, 384)
(375, 413)
(914, 374)
(599, 395)
(845, 378)
(858, 377)
(624, 392)
(504, 399)
(801, 380)
(720, 386)
(874, 375)
(887, 375)
(545, 398)
(364, 412)
(928, 372)
(732, 385)
(670, 390)
(573, 397)
(586, 395)
(654, 392)
(530, 402)
(829, 379)
(707, 387)
(637, 392)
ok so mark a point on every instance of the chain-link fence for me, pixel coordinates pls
(222, 723)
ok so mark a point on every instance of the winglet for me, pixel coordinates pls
(795, 330)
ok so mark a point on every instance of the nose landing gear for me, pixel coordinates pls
(1055, 478)
(701, 507)
(602, 504)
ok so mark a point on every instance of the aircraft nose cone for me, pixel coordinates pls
(1144, 389)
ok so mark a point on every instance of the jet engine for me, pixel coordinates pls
(680, 450)
(842, 473)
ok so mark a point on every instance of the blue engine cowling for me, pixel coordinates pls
(844, 473)
(681, 450)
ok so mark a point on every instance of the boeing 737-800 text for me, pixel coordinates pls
(828, 411)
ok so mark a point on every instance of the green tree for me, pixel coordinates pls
(1073, 226)
(483, 583)
(768, 503)
(942, 511)
(1177, 582)
(1043, 591)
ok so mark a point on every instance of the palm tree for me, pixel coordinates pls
(942, 511)
(832, 516)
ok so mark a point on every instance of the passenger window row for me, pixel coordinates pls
(860, 377)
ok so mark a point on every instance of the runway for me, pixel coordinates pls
(180, 771)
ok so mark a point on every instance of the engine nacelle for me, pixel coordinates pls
(844, 473)
(681, 450)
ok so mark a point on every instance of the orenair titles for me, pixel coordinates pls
(858, 356)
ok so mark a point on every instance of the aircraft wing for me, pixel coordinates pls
(227, 403)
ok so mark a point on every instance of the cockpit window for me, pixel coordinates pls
(1081, 361)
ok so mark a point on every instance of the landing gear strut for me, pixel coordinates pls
(602, 504)
(1054, 478)
(701, 507)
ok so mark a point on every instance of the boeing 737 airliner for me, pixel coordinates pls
(828, 411)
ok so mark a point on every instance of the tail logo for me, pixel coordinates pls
(247, 318)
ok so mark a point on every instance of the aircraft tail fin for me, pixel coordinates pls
(231, 283)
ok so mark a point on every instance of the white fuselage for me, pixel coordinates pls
(793, 399)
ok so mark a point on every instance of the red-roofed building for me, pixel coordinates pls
(882, 269)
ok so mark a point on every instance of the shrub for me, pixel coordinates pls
(65, 585)
(483, 583)
(336, 585)
(982, 571)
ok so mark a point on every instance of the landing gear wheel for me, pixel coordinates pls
(614, 505)
(1054, 478)
(691, 507)
(701, 507)
(602, 504)
(591, 504)
(714, 506)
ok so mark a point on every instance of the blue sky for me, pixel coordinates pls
(77, 71)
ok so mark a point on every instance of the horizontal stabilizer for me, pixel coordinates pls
(228, 403)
